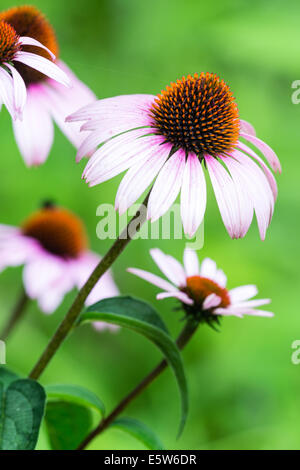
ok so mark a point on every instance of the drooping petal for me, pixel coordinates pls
(177, 295)
(244, 198)
(139, 176)
(116, 156)
(26, 41)
(34, 134)
(211, 301)
(247, 128)
(169, 266)
(15, 249)
(193, 195)
(20, 92)
(241, 293)
(45, 66)
(7, 92)
(266, 170)
(153, 279)
(259, 190)
(269, 154)
(226, 196)
(167, 186)
(61, 101)
(191, 262)
(47, 279)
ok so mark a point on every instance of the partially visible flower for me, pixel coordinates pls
(34, 86)
(202, 289)
(191, 126)
(52, 245)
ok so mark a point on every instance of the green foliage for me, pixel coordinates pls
(21, 410)
(69, 415)
(141, 317)
(140, 431)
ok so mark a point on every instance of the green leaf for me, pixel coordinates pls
(22, 404)
(67, 424)
(141, 317)
(75, 394)
(140, 431)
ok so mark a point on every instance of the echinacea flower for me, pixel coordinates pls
(192, 125)
(34, 86)
(202, 289)
(52, 245)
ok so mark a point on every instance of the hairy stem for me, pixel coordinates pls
(182, 340)
(69, 320)
(15, 316)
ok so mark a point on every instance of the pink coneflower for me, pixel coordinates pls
(52, 245)
(192, 125)
(34, 86)
(202, 289)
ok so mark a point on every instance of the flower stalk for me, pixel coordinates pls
(184, 337)
(71, 317)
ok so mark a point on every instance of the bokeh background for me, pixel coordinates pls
(244, 388)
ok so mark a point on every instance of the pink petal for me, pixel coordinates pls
(266, 170)
(34, 134)
(245, 204)
(7, 92)
(193, 195)
(167, 186)
(15, 249)
(102, 326)
(247, 128)
(47, 279)
(208, 268)
(211, 301)
(153, 279)
(258, 189)
(191, 262)
(220, 278)
(239, 294)
(227, 312)
(226, 196)
(119, 106)
(169, 266)
(20, 92)
(269, 154)
(252, 303)
(26, 41)
(44, 66)
(139, 176)
(116, 156)
(178, 295)
(61, 101)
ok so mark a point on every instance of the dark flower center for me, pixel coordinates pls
(28, 21)
(198, 114)
(199, 288)
(58, 231)
(8, 42)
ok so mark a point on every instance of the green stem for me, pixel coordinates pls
(15, 316)
(69, 320)
(184, 337)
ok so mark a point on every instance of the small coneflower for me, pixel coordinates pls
(34, 86)
(53, 247)
(202, 289)
(192, 125)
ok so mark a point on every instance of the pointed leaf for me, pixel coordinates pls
(140, 431)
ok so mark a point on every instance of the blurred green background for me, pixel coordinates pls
(244, 389)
